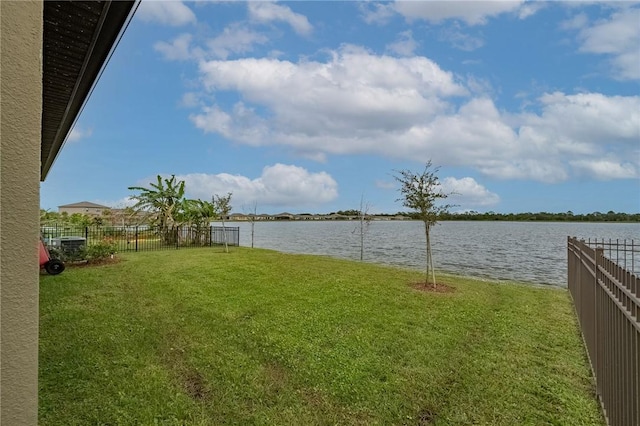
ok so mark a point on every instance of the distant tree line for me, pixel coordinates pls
(48, 217)
(569, 216)
(77, 219)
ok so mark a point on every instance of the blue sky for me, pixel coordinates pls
(311, 106)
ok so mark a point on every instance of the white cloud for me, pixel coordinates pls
(172, 13)
(471, 12)
(235, 39)
(577, 22)
(405, 46)
(78, 134)
(519, 168)
(479, 86)
(190, 100)
(403, 108)
(617, 37)
(242, 124)
(279, 185)
(530, 8)
(460, 40)
(586, 118)
(619, 33)
(177, 50)
(265, 12)
(117, 204)
(607, 169)
(385, 184)
(376, 13)
(354, 83)
(468, 193)
(213, 120)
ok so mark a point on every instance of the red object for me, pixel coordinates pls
(44, 254)
(52, 266)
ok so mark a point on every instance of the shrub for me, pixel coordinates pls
(100, 251)
(56, 253)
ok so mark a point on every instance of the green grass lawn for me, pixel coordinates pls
(201, 337)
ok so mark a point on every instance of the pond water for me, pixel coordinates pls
(534, 252)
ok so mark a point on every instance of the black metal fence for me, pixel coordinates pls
(606, 297)
(141, 238)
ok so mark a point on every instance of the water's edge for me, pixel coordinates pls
(528, 252)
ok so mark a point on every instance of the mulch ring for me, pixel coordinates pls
(95, 262)
(429, 288)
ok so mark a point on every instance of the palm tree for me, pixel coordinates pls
(163, 200)
(197, 214)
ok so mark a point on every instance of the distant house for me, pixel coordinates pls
(238, 217)
(283, 216)
(83, 207)
(336, 216)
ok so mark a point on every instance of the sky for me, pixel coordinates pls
(313, 107)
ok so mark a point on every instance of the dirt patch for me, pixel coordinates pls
(188, 378)
(194, 384)
(429, 288)
(88, 263)
(426, 417)
(276, 375)
(313, 397)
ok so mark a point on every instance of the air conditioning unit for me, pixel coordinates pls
(69, 245)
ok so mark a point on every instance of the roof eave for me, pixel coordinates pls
(114, 16)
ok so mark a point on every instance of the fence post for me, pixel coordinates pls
(597, 363)
(136, 237)
(210, 235)
(86, 234)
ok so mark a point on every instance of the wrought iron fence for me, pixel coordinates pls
(625, 253)
(606, 296)
(141, 238)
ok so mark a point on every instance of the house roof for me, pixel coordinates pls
(78, 37)
(84, 204)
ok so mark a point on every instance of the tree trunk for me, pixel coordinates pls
(433, 268)
(428, 245)
(430, 267)
(361, 235)
(224, 237)
(253, 225)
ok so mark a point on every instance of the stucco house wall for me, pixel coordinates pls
(21, 109)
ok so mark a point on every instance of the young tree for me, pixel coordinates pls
(163, 200)
(364, 220)
(422, 193)
(97, 221)
(252, 219)
(222, 206)
(107, 216)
